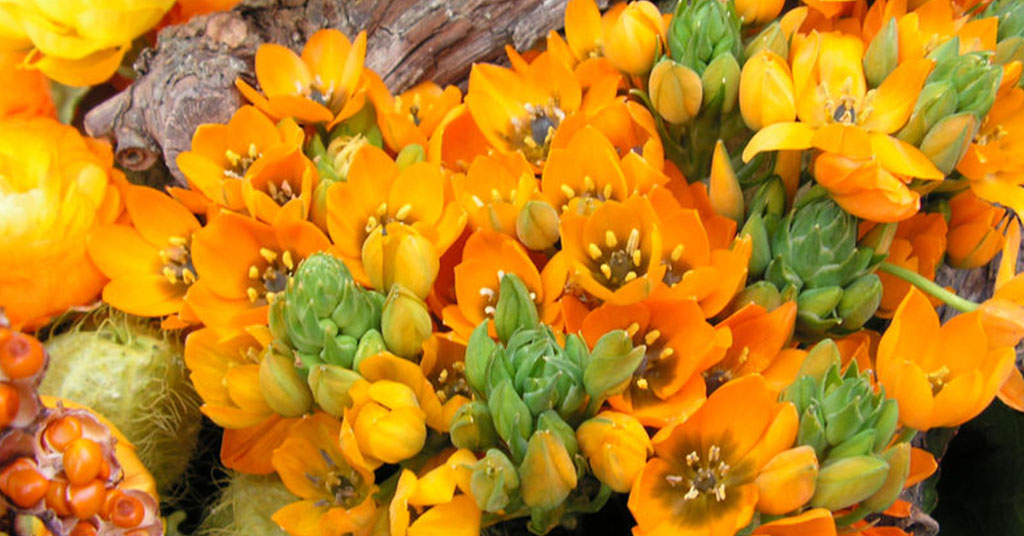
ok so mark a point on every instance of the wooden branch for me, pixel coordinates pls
(188, 79)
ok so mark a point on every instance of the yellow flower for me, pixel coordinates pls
(634, 39)
(617, 446)
(55, 187)
(433, 499)
(77, 43)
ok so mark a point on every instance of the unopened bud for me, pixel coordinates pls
(676, 91)
(766, 90)
(617, 446)
(515, 309)
(948, 140)
(472, 427)
(860, 301)
(547, 474)
(721, 83)
(612, 363)
(770, 38)
(882, 54)
(400, 254)
(848, 481)
(330, 385)
(409, 155)
(493, 481)
(787, 481)
(898, 457)
(537, 225)
(285, 391)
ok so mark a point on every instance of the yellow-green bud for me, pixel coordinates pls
(772, 38)
(761, 253)
(936, 101)
(479, 350)
(330, 385)
(493, 481)
(848, 481)
(512, 419)
(537, 225)
(515, 309)
(472, 427)
(285, 391)
(612, 363)
(947, 142)
(860, 444)
(721, 82)
(409, 155)
(676, 91)
(405, 322)
(552, 422)
(898, 457)
(822, 357)
(1008, 50)
(760, 293)
(882, 54)
(547, 474)
(879, 238)
(860, 301)
(371, 343)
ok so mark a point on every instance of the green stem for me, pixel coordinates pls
(960, 304)
(906, 435)
(856, 515)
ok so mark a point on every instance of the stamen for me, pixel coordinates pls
(253, 152)
(606, 270)
(170, 274)
(609, 239)
(286, 258)
(692, 494)
(713, 453)
(403, 212)
(178, 241)
(631, 275)
(641, 383)
(232, 157)
(674, 480)
(692, 458)
(588, 183)
(677, 253)
(382, 210)
(286, 187)
(594, 251)
(637, 258)
(253, 294)
(569, 192)
(487, 292)
(634, 241)
(632, 329)
(267, 254)
(720, 492)
(371, 223)
(607, 191)
(666, 352)
(652, 336)
(489, 310)
(477, 201)
(254, 272)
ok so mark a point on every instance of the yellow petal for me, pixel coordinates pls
(779, 137)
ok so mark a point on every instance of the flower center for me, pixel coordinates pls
(589, 194)
(532, 134)
(414, 108)
(341, 483)
(281, 193)
(656, 350)
(674, 269)
(991, 135)
(265, 284)
(938, 379)
(846, 108)
(703, 477)
(381, 217)
(452, 382)
(177, 261)
(617, 264)
(325, 97)
(240, 163)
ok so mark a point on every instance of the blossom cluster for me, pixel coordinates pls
(688, 257)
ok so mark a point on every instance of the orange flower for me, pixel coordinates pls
(758, 337)
(457, 140)
(55, 187)
(433, 496)
(976, 230)
(919, 245)
(494, 190)
(279, 185)
(584, 174)
(521, 111)
(864, 188)
(635, 38)
(225, 371)
(757, 12)
(992, 162)
(444, 363)
(412, 116)
(616, 250)
(814, 522)
(701, 479)
(322, 86)
(249, 450)
(941, 376)
(148, 262)
(377, 194)
(331, 478)
(934, 22)
(680, 345)
(486, 257)
(839, 114)
(26, 92)
(221, 155)
(242, 264)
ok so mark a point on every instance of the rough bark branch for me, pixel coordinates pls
(188, 79)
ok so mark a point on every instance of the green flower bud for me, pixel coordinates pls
(515, 309)
(882, 54)
(1011, 17)
(801, 392)
(612, 363)
(948, 140)
(848, 481)
(702, 30)
(339, 350)
(760, 293)
(772, 38)
(537, 225)
(547, 474)
(472, 427)
(357, 310)
(814, 309)
(405, 322)
(898, 457)
(676, 91)
(885, 424)
(370, 344)
(936, 101)
(512, 419)
(859, 444)
(844, 421)
(811, 431)
(493, 481)
(721, 83)
(860, 301)
(761, 253)
(1009, 50)
(879, 238)
(285, 391)
(820, 359)
(552, 422)
(974, 78)
(329, 385)
(409, 155)
(479, 350)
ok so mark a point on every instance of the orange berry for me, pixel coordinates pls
(20, 463)
(82, 461)
(57, 498)
(104, 470)
(25, 486)
(124, 510)
(61, 432)
(83, 528)
(86, 500)
(9, 404)
(21, 356)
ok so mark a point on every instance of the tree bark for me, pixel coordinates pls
(188, 79)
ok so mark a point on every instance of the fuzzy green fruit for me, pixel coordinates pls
(245, 507)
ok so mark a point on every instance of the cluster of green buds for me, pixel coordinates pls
(531, 393)
(332, 153)
(812, 254)
(956, 96)
(850, 427)
(1010, 46)
(323, 324)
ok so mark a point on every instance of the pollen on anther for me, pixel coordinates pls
(403, 212)
(609, 239)
(652, 336)
(252, 293)
(286, 258)
(632, 329)
(594, 251)
(677, 253)
(568, 191)
(606, 270)
(637, 258)
(631, 275)
(267, 254)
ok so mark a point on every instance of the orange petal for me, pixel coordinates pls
(157, 216)
(281, 71)
(900, 157)
(1012, 391)
(248, 450)
(144, 295)
(895, 98)
(779, 137)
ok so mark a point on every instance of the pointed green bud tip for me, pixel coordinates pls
(494, 481)
(860, 301)
(721, 83)
(879, 238)
(936, 101)
(479, 350)
(405, 322)
(330, 385)
(515, 309)
(701, 31)
(859, 444)
(898, 457)
(761, 253)
(512, 419)
(948, 140)
(409, 155)
(612, 362)
(285, 391)
(848, 481)
(820, 359)
(472, 427)
(760, 293)
(370, 344)
(1009, 50)
(676, 91)
(772, 38)
(882, 54)
(339, 350)
(547, 474)
(537, 225)
(552, 422)
(819, 301)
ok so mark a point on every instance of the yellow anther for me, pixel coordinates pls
(382, 209)
(692, 458)
(271, 297)
(495, 195)
(631, 275)
(403, 212)
(588, 183)
(569, 192)
(286, 258)
(607, 191)
(594, 251)
(253, 294)
(632, 329)
(641, 383)
(170, 274)
(270, 256)
(253, 153)
(652, 336)
(637, 258)
(371, 223)
(188, 277)
(609, 239)
(254, 272)
(528, 140)
(720, 492)
(232, 157)
(677, 253)
(692, 494)
(286, 187)
(606, 270)
(634, 241)
(178, 241)
(666, 352)
(713, 453)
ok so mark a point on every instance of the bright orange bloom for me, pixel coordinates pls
(55, 187)
(616, 250)
(839, 114)
(992, 162)
(322, 86)
(377, 194)
(630, 128)
(697, 263)
(444, 363)
(941, 376)
(486, 257)
(279, 185)
(521, 111)
(864, 188)
(412, 116)
(457, 140)
(976, 230)
(814, 522)
(919, 245)
(934, 22)
(494, 190)
(242, 264)
(222, 155)
(149, 262)
(584, 174)
(333, 481)
(26, 91)
(758, 337)
(680, 345)
(249, 450)
(225, 371)
(635, 38)
(701, 479)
